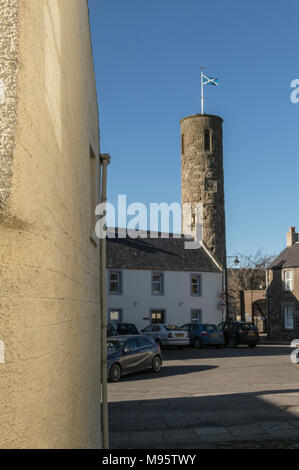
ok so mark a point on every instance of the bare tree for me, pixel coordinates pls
(251, 275)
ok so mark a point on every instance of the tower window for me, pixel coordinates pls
(193, 222)
(207, 140)
(182, 144)
(211, 185)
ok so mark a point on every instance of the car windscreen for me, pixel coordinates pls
(185, 327)
(210, 327)
(114, 346)
(171, 327)
(127, 329)
(247, 326)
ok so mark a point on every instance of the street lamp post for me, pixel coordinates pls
(236, 263)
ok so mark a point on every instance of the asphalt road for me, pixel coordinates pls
(208, 387)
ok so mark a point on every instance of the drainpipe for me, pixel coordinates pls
(105, 160)
(226, 293)
(268, 303)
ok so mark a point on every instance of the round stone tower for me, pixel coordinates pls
(203, 179)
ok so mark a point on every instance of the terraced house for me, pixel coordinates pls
(283, 291)
(156, 280)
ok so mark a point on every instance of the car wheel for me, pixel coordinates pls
(219, 346)
(197, 343)
(115, 373)
(156, 364)
(252, 345)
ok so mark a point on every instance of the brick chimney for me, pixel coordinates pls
(292, 237)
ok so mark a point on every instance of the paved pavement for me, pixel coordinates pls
(208, 397)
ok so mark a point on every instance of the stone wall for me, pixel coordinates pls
(9, 37)
(49, 279)
(250, 300)
(202, 178)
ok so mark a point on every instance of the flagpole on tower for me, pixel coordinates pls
(202, 98)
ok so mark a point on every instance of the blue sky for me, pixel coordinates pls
(148, 56)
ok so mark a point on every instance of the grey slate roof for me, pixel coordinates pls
(289, 258)
(165, 254)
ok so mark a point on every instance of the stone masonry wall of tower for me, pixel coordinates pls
(202, 177)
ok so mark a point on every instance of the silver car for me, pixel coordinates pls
(129, 354)
(167, 335)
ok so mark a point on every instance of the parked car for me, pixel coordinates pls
(129, 354)
(114, 329)
(238, 332)
(204, 334)
(167, 335)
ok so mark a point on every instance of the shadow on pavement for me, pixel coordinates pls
(166, 371)
(214, 410)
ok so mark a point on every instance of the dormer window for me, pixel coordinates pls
(207, 140)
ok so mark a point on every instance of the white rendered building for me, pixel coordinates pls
(156, 280)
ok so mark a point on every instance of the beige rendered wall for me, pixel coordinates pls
(49, 267)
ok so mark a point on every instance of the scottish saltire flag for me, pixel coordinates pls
(210, 81)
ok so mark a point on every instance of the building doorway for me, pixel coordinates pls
(157, 316)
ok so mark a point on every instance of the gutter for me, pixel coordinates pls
(105, 161)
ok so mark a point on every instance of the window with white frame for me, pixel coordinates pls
(195, 316)
(157, 284)
(115, 316)
(288, 280)
(289, 317)
(115, 282)
(195, 284)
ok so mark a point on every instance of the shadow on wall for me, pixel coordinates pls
(259, 314)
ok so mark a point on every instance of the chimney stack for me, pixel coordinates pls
(292, 237)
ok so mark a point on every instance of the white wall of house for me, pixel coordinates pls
(136, 299)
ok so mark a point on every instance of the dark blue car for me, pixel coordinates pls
(204, 334)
